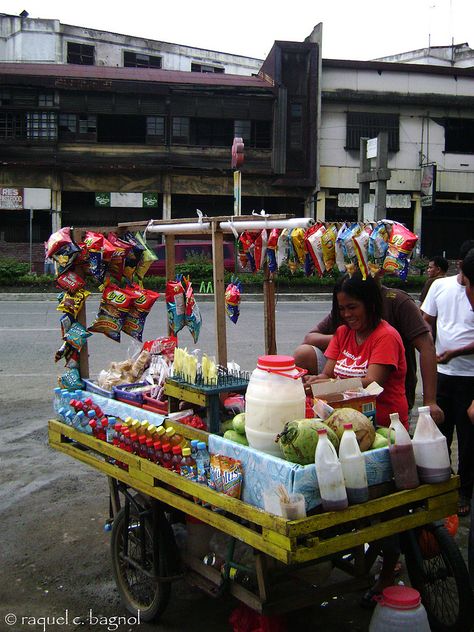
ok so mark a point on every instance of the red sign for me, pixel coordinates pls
(237, 153)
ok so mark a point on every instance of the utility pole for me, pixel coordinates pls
(373, 148)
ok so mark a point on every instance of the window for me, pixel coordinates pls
(10, 127)
(369, 124)
(459, 136)
(155, 128)
(87, 124)
(41, 125)
(256, 134)
(72, 125)
(296, 126)
(180, 130)
(46, 100)
(206, 68)
(5, 97)
(138, 60)
(67, 123)
(80, 54)
(212, 132)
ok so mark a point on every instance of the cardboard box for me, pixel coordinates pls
(346, 393)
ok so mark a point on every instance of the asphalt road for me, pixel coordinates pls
(54, 551)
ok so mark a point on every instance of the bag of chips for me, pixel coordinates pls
(70, 281)
(246, 250)
(400, 246)
(378, 246)
(328, 247)
(361, 247)
(72, 303)
(350, 256)
(147, 258)
(133, 257)
(113, 310)
(314, 245)
(260, 249)
(116, 264)
(135, 318)
(193, 316)
(76, 336)
(233, 294)
(94, 243)
(61, 248)
(175, 305)
(71, 380)
(339, 249)
(272, 244)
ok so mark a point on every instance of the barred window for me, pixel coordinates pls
(46, 100)
(368, 125)
(243, 129)
(180, 130)
(155, 126)
(68, 123)
(87, 124)
(10, 127)
(41, 125)
(138, 60)
(256, 134)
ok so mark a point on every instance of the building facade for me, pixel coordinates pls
(116, 135)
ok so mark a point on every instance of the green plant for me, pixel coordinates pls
(420, 264)
(11, 270)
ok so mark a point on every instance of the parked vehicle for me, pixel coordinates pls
(186, 250)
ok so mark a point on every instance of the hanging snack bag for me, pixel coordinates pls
(175, 304)
(400, 246)
(76, 336)
(61, 247)
(233, 294)
(313, 244)
(66, 321)
(116, 264)
(135, 318)
(378, 246)
(94, 243)
(70, 281)
(272, 244)
(72, 303)
(282, 248)
(297, 238)
(112, 312)
(246, 250)
(292, 257)
(361, 247)
(133, 256)
(147, 258)
(328, 246)
(193, 316)
(71, 380)
(339, 249)
(260, 249)
(350, 256)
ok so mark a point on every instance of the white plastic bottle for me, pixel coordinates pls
(329, 473)
(353, 467)
(402, 456)
(431, 449)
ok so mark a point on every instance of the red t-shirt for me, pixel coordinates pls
(383, 346)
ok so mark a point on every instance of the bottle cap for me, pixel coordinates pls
(170, 432)
(201, 445)
(151, 429)
(176, 449)
(104, 422)
(91, 413)
(186, 451)
(160, 430)
(167, 447)
(194, 443)
(347, 425)
(322, 431)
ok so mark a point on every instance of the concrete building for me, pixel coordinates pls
(94, 116)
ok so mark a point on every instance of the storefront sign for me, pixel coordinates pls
(428, 185)
(113, 199)
(394, 200)
(11, 199)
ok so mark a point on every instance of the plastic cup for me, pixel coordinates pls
(295, 509)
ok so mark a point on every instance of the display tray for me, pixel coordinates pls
(93, 387)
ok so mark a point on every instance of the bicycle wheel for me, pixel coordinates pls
(442, 580)
(137, 562)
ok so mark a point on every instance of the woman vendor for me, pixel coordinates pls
(366, 346)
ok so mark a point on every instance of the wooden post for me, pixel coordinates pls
(219, 298)
(170, 266)
(77, 234)
(269, 311)
(364, 187)
(381, 184)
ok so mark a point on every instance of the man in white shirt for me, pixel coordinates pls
(447, 309)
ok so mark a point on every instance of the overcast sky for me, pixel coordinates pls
(352, 29)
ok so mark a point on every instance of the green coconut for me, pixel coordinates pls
(299, 439)
(361, 425)
(379, 442)
(238, 423)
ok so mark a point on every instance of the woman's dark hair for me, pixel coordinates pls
(368, 292)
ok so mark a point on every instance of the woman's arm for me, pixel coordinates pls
(327, 374)
(377, 373)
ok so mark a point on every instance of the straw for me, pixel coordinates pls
(283, 494)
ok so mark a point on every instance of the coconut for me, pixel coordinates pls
(361, 425)
(299, 439)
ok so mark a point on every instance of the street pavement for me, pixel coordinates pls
(52, 508)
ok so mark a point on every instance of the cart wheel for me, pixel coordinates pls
(442, 580)
(137, 561)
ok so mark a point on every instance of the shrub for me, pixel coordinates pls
(11, 270)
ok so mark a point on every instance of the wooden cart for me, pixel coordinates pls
(145, 498)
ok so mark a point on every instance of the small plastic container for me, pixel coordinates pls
(399, 608)
(295, 509)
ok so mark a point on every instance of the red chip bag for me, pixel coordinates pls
(134, 322)
(113, 310)
(70, 281)
(58, 240)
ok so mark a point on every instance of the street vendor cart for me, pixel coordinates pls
(292, 560)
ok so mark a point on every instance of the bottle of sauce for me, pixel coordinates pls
(167, 456)
(431, 449)
(174, 438)
(329, 472)
(142, 446)
(176, 458)
(402, 456)
(353, 467)
(158, 452)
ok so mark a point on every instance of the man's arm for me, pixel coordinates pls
(431, 320)
(317, 339)
(428, 369)
(449, 354)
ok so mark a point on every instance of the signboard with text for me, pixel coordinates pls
(17, 199)
(428, 185)
(112, 199)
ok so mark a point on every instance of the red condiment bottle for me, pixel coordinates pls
(176, 459)
(167, 456)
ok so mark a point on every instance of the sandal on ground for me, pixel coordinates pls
(368, 600)
(464, 507)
